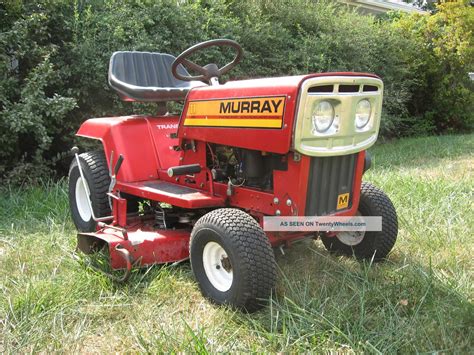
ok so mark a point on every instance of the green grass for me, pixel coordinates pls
(420, 300)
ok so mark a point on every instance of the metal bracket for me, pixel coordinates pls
(125, 255)
(121, 230)
(296, 156)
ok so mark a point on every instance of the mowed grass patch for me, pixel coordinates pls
(420, 300)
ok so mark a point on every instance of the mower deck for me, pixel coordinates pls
(145, 245)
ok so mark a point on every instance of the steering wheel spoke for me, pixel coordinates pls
(188, 64)
(226, 68)
(210, 70)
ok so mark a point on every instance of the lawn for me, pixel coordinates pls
(420, 300)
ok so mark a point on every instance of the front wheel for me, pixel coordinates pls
(232, 259)
(368, 245)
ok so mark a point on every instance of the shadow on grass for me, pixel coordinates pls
(328, 302)
(141, 277)
(396, 306)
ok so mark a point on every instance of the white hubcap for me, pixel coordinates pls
(217, 266)
(351, 238)
(82, 202)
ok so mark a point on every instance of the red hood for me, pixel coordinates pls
(275, 139)
(267, 86)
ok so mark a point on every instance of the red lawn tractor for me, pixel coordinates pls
(198, 184)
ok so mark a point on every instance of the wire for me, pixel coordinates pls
(215, 163)
(230, 182)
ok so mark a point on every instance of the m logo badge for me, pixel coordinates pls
(343, 201)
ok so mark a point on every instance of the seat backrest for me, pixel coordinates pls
(145, 76)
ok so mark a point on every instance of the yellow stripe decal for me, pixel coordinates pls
(233, 123)
(253, 112)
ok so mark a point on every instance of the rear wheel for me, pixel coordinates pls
(96, 177)
(232, 259)
(368, 245)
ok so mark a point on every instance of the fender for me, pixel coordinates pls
(134, 137)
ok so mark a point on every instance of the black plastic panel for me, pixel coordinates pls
(349, 88)
(321, 89)
(170, 188)
(329, 177)
(370, 88)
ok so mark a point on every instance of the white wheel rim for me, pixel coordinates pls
(350, 238)
(82, 202)
(217, 266)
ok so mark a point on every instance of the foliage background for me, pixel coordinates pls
(54, 56)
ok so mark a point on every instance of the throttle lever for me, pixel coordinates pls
(113, 173)
(119, 164)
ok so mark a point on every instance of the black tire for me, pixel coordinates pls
(96, 174)
(249, 252)
(376, 245)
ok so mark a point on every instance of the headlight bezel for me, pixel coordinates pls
(346, 139)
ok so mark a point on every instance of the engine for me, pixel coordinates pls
(244, 167)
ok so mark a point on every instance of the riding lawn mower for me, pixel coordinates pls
(199, 184)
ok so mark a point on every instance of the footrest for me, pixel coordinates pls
(174, 194)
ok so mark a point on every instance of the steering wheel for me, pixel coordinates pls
(210, 70)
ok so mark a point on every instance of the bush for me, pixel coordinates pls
(442, 56)
(54, 56)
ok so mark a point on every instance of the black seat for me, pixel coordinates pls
(145, 76)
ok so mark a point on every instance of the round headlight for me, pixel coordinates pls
(363, 111)
(323, 116)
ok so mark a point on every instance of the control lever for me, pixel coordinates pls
(113, 171)
(184, 170)
(119, 164)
